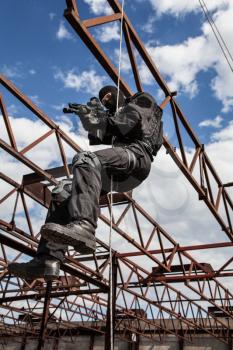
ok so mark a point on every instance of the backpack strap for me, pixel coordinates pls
(142, 99)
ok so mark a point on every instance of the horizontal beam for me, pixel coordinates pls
(92, 22)
(179, 249)
(31, 252)
(184, 278)
(37, 296)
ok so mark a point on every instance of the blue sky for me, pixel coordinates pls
(41, 48)
(45, 59)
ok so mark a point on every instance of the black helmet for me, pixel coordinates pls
(111, 104)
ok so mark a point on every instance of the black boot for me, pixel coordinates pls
(41, 266)
(80, 235)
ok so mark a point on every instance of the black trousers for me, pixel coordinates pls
(89, 182)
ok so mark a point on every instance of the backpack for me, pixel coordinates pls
(151, 113)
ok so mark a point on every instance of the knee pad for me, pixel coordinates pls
(62, 191)
(86, 158)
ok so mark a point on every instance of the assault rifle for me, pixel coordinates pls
(93, 108)
(94, 111)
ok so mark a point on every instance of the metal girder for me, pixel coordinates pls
(111, 313)
(167, 256)
(136, 287)
(45, 317)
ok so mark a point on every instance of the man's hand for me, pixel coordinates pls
(91, 114)
(79, 109)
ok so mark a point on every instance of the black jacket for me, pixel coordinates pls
(138, 121)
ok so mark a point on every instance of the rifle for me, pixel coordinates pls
(93, 107)
(93, 111)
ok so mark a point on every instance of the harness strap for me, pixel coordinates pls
(132, 160)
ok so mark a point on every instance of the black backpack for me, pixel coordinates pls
(152, 116)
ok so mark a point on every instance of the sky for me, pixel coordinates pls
(43, 57)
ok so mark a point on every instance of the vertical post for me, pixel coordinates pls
(136, 342)
(56, 344)
(44, 316)
(230, 342)
(92, 341)
(181, 344)
(111, 303)
(24, 341)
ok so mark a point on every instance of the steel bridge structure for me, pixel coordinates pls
(172, 286)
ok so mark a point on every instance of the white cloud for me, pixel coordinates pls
(220, 152)
(59, 107)
(181, 63)
(32, 71)
(99, 7)
(44, 155)
(125, 62)
(11, 71)
(108, 32)
(62, 32)
(215, 123)
(222, 84)
(185, 218)
(12, 109)
(225, 134)
(169, 198)
(87, 81)
(148, 27)
(182, 7)
(35, 99)
(52, 15)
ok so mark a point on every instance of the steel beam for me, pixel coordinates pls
(111, 311)
(45, 317)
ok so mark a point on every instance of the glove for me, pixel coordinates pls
(80, 109)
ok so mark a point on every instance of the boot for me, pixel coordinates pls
(41, 266)
(80, 235)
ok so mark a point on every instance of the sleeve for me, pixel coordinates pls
(121, 124)
(124, 122)
(92, 123)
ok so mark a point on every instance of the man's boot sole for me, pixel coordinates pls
(83, 242)
(50, 273)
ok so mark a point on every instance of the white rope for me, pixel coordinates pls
(111, 192)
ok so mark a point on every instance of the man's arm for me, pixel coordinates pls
(121, 124)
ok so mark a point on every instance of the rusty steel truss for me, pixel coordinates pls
(178, 296)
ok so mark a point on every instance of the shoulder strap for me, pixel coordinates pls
(142, 99)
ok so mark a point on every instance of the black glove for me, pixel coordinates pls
(79, 109)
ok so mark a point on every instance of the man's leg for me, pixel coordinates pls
(91, 174)
(49, 254)
(83, 206)
(72, 221)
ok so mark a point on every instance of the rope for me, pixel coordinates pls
(111, 192)
(222, 44)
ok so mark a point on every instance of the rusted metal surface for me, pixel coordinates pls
(162, 285)
(45, 317)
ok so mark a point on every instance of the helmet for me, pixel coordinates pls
(111, 102)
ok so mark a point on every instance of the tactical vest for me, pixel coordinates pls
(151, 120)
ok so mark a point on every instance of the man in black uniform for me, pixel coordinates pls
(135, 131)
